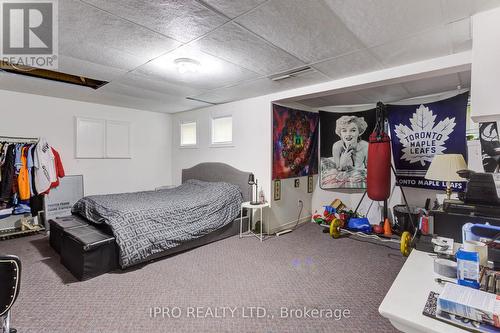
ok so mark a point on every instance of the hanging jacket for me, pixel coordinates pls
(45, 172)
(8, 173)
(23, 182)
(58, 167)
(29, 165)
(32, 163)
(17, 160)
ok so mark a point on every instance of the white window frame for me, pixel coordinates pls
(180, 134)
(102, 149)
(221, 144)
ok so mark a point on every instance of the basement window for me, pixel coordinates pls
(222, 131)
(188, 134)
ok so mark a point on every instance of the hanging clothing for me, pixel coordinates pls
(36, 204)
(8, 174)
(23, 181)
(58, 168)
(17, 163)
(30, 165)
(27, 172)
(33, 178)
(45, 173)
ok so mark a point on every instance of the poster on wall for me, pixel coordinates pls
(490, 146)
(344, 148)
(295, 142)
(419, 132)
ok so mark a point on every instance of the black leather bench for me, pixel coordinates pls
(88, 252)
(57, 227)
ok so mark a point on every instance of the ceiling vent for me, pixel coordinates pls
(51, 75)
(292, 73)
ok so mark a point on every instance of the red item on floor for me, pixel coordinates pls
(378, 229)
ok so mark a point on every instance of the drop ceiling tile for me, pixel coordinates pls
(259, 87)
(386, 94)
(181, 20)
(120, 95)
(431, 44)
(244, 90)
(239, 46)
(307, 29)
(377, 22)
(101, 55)
(432, 86)
(110, 98)
(180, 105)
(128, 90)
(233, 8)
(158, 85)
(213, 72)
(348, 65)
(88, 69)
(84, 30)
(302, 80)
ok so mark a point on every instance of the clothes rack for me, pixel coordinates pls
(18, 139)
(15, 225)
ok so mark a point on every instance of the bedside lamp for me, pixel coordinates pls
(444, 167)
(253, 183)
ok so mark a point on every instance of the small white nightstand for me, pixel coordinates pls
(249, 232)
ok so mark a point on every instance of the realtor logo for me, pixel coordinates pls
(29, 33)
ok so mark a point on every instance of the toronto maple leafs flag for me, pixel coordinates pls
(419, 132)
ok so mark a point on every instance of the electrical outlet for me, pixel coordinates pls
(300, 203)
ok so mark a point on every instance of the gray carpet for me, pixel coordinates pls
(305, 268)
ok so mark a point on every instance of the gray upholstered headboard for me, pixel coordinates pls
(219, 172)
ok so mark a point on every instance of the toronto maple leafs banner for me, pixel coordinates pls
(418, 132)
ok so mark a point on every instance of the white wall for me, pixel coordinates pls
(250, 150)
(485, 77)
(29, 115)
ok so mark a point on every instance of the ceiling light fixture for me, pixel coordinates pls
(187, 65)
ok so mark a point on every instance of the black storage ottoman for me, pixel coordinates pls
(58, 225)
(88, 252)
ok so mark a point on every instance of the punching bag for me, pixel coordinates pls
(378, 178)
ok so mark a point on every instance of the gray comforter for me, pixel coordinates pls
(145, 223)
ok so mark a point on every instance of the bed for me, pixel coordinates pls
(153, 224)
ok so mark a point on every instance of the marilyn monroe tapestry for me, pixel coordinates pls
(344, 148)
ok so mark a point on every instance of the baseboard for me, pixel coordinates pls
(290, 224)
